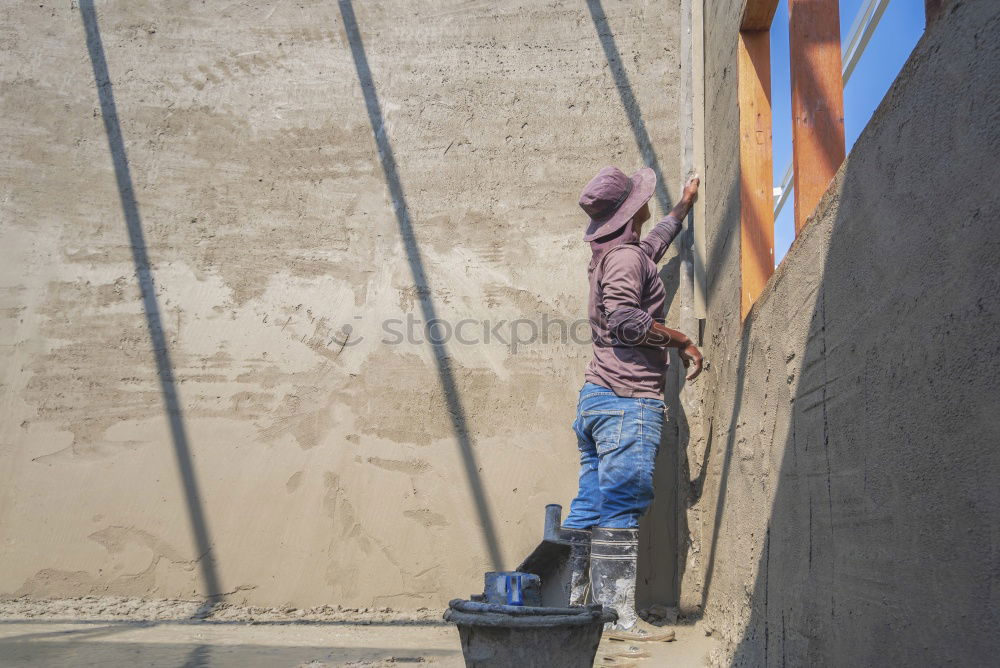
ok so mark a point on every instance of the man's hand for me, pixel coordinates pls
(691, 188)
(659, 335)
(688, 197)
(691, 357)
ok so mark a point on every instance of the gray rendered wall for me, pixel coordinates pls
(850, 510)
(273, 173)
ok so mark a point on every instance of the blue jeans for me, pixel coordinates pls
(618, 439)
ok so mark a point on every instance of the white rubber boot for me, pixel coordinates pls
(579, 565)
(613, 556)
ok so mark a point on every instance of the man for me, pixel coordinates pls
(620, 411)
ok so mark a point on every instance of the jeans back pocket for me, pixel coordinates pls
(605, 427)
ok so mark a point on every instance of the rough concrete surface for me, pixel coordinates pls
(202, 250)
(850, 511)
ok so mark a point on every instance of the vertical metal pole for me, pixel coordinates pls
(698, 124)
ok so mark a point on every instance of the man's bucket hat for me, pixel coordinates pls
(612, 198)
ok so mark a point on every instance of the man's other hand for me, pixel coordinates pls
(691, 357)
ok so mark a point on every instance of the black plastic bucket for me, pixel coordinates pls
(501, 636)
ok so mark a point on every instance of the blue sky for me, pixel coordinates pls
(897, 33)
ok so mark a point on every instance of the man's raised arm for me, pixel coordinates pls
(658, 240)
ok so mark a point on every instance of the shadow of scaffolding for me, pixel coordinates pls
(147, 288)
(446, 376)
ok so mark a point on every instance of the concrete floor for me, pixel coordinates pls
(44, 642)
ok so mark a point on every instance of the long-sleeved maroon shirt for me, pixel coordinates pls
(626, 295)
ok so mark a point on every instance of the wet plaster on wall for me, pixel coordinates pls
(849, 508)
(326, 458)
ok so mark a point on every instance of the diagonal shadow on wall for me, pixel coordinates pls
(147, 288)
(442, 360)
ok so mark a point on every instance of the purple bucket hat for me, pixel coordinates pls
(611, 199)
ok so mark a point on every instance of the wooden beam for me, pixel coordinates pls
(817, 100)
(756, 169)
(758, 14)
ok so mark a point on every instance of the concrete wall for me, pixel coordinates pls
(251, 190)
(850, 508)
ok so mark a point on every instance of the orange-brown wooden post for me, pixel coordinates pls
(756, 169)
(817, 100)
